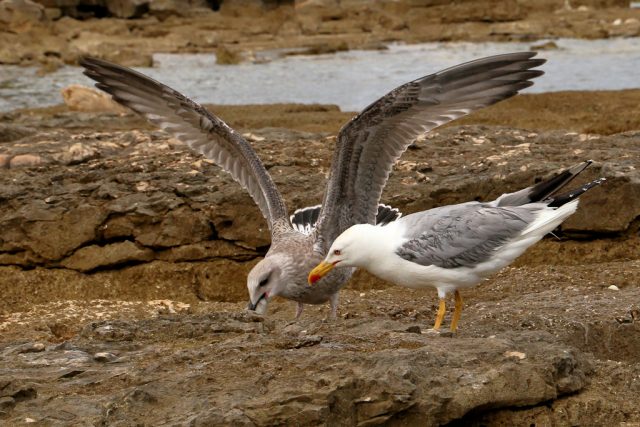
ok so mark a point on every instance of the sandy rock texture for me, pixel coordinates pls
(55, 32)
(123, 259)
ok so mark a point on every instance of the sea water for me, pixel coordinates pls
(350, 79)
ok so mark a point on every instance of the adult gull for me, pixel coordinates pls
(366, 149)
(453, 247)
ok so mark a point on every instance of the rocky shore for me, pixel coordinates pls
(53, 32)
(123, 258)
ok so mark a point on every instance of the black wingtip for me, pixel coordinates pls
(546, 189)
(565, 198)
(387, 214)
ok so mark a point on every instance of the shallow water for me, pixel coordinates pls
(350, 79)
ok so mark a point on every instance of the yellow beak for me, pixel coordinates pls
(320, 271)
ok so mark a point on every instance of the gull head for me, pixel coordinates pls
(350, 249)
(264, 282)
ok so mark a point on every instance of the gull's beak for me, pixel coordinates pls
(320, 271)
(252, 306)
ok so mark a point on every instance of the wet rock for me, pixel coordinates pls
(83, 98)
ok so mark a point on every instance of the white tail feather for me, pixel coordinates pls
(549, 219)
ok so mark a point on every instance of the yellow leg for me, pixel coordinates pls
(440, 316)
(456, 312)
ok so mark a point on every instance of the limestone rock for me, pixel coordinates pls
(19, 16)
(330, 378)
(11, 132)
(25, 160)
(92, 257)
(87, 99)
(127, 8)
(165, 8)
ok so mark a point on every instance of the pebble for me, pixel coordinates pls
(614, 288)
(32, 348)
(25, 160)
(516, 354)
(104, 357)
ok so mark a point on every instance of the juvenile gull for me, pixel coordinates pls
(453, 247)
(366, 149)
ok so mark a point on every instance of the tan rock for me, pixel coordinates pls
(19, 16)
(94, 256)
(127, 8)
(25, 160)
(4, 161)
(86, 99)
(78, 153)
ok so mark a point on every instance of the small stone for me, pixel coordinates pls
(613, 288)
(29, 420)
(253, 137)
(142, 186)
(517, 354)
(104, 357)
(32, 348)
(25, 160)
(78, 153)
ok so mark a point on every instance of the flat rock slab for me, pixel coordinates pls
(235, 368)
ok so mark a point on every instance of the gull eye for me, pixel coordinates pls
(264, 282)
(337, 252)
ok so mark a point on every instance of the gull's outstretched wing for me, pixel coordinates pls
(198, 128)
(369, 145)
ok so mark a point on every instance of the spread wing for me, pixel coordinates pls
(369, 145)
(462, 235)
(198, 128)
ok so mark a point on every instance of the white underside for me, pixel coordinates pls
(389, 266)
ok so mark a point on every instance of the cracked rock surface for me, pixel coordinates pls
(123, 259)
